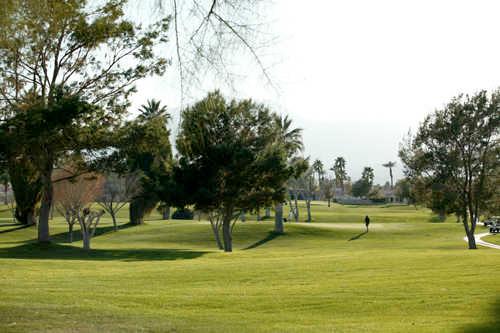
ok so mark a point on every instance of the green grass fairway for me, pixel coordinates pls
(407, 274)
(494, 239)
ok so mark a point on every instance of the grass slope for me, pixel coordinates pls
(405, 275)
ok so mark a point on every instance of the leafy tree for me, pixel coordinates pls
(49, 135)
(363, 186)
(390, 165)
(459, 147)
(230, 160)
(404, 190)
(340, 172)
(144, 150)
(92, 52)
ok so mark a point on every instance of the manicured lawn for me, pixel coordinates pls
(407, 274)
(494, 239)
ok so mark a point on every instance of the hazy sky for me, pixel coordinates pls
(356, 75)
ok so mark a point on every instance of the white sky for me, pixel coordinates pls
(357, 74)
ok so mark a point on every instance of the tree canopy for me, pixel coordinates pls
(231, 158)
(456, 150)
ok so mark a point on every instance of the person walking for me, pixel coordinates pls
(367, 222)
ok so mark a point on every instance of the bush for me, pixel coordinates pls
(183, 214)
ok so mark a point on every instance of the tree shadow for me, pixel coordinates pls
(491, 327)
(358, 236)
(62, 237)
(19, 227)
(54, 251)
(270, 236)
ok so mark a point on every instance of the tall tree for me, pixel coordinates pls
(144, 150)
(290, 140)
(459, 146)
(390, 165)
(91, 51)
(230, 160)
(340, 172)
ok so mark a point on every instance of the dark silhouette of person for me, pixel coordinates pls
(367, 222)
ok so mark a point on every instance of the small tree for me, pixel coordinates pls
(71, 195)
(88, 221)
(328, 189)
(116, 192)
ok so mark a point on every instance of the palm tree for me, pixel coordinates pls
(318, 169)
(390, 165)
(291, 141)
(340, 173)
(153, 109)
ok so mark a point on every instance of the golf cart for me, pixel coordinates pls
(492, 221)
(495, 227)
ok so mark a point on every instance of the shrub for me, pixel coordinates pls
(183, 214)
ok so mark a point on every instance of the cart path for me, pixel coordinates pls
(481, 242)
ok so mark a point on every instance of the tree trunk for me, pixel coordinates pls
(136, 212)
(5, 190)
(215, 229)
(166, 213)
(469, 233)
(86, 240)
(113, 217)
(278, 219)
(268, 212)
(471, 240)
(296, 209)
(47, 193)
(140, 207)
(70, 233)
(258, 214)
(243, 217)
(26, 187)
(329, 202)
(25, 216)
(308, 204)
(226, 234)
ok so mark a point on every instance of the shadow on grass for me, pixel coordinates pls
(62, 237)
(358, 236)
(491, 327)
(19, 227)
(54, 251)
(272, 235)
